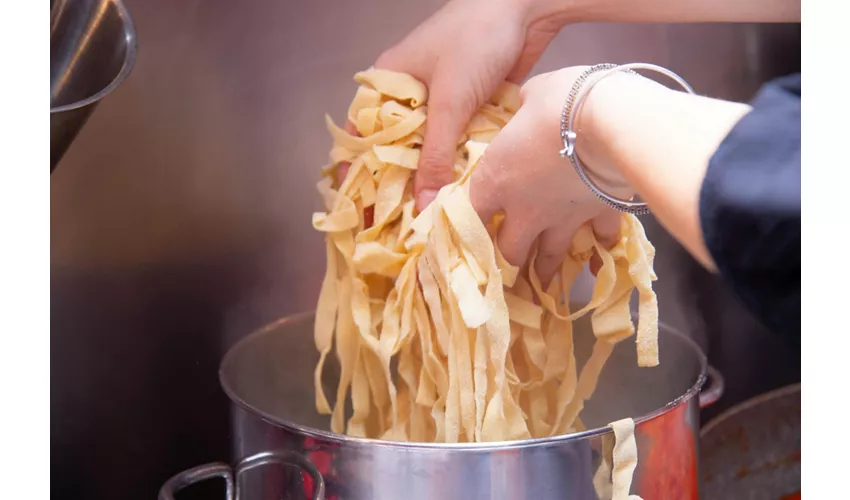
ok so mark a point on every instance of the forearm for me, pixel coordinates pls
(666, 11)
(661, 142)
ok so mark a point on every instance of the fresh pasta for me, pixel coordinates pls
(438, 337)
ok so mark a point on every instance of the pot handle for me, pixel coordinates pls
(283, 457)
(221, 470)
(196, 475)
(713, 388)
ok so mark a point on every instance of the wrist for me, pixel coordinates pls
(615, 109)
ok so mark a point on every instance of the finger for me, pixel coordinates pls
(606, 228)
(449, 110)
(515, 239)
(407, 58)
(553, 245)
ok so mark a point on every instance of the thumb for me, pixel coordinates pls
(449, 111)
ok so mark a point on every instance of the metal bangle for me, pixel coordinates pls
(572, 106)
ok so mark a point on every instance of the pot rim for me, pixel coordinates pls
(126, 67)
(691, 393)
(749, 403)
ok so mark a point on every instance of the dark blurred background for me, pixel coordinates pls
(180, 218)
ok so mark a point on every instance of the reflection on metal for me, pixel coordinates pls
(180, 218)
(92, 50)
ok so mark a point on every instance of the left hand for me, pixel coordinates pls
(462, 53)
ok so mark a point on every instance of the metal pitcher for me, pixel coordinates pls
(92, 50)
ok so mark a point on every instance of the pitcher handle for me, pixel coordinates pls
(713, 388)
(221, 470)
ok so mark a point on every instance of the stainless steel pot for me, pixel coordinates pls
(268, 375)
(752, 450)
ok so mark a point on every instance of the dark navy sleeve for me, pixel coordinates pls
(750, 207)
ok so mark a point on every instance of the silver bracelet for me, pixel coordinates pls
(572, 106)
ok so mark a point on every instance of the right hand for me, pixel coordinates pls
(462, 53)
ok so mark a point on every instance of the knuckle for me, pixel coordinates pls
(548, 253)
(453, 96)
(449, 104)
(435, 166)
(489, 181)
(552, 252)
(484, 192)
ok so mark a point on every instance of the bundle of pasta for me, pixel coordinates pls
(439, 339)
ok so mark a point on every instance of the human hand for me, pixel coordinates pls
(462, 53)
(540, 193)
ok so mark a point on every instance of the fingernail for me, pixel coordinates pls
(425, 197)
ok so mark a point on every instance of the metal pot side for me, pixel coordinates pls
(752, 450)
(268, 375)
